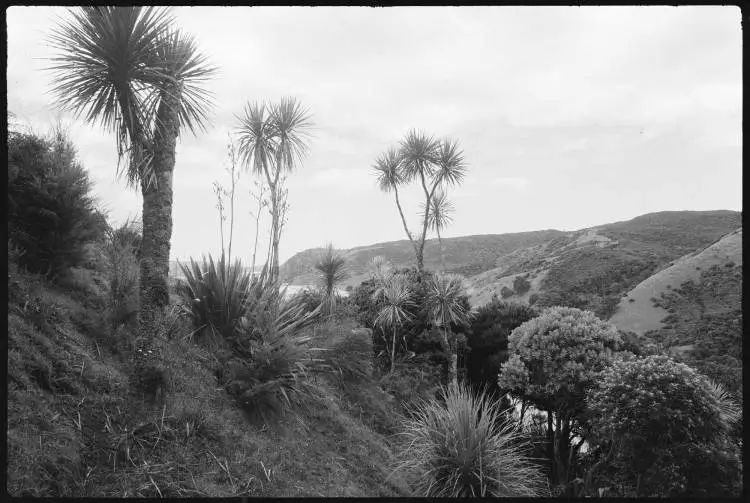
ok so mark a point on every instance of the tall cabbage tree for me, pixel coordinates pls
(273, 141)
(134, 73)
(424, 160)
(444, 292)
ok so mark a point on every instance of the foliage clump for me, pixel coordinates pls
(217, 293)
(521, 285)
(554, 359)
(667, 427)
(52, 214)
(487, 339)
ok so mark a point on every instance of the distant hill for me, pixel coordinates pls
(590, 268)
(464, 255)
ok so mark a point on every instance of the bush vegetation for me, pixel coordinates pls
(488, 340)
(52, 215)
(667, 428)
(554, 359)
(521, 284)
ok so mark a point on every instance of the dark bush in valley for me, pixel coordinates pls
(521, 284)
(488, 339)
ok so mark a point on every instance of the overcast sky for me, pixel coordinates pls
(569, 117)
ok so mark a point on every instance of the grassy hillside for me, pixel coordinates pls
(77, 427)
(468, 255)
(589, 269)
(637, 313)
(593, 268)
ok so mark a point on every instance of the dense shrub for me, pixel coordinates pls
(506, 292)
(487, 340)
(556, 356)
(409, 384)
(554, 359)
(348, 355)
(267, 354)
(272, 380)
(309, 298)
(416, 334)
(458, 446)
(52, 215)
(521, 285)
(121, 250)
(667, 426)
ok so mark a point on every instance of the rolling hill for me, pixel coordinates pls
(464, 255)
(637, 313)
(590, 268)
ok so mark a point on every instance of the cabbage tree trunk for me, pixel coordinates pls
(452, 378)
(157, 218)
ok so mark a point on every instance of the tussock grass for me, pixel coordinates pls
(459, 446)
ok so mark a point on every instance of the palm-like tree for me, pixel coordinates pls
(132, 71)
(397, 298)
(444, 292)
(439, 217)
(430, 162)
(331, 267)
(273, 141)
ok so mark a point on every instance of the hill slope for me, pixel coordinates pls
(465, 255)
(637, 313)
(76, 427)
(589, 269)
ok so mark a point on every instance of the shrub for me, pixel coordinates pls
(310, 299)
(410, 384)
(121, 250)
(667, 426)
(560, 353)
(269, 353)
(488, 339)
(461, 448)
(415, 332)
(273, 379)
(349, 356)
(554, 359)
(506, 292)
(533, 298)
(52, 215)
(521, 285)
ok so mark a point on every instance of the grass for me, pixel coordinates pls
(459, 446)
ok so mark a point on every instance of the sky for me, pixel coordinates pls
(568, 117)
